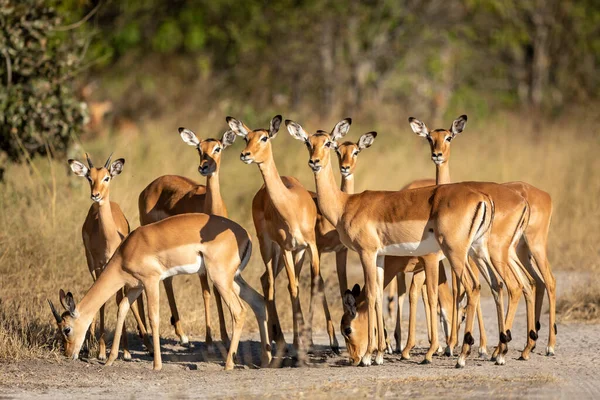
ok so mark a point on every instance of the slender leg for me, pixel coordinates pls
(431, 283)
(183, 339)
(152, 293)
(222, 324)
(206, 295)
(392, 295)
(138, 312)
(413, 297)
(124, 305)
(445, 302)
(306, 331)
(341, 258)
(124, 344)
(472, 300)
(258, 306)
(369, 264)
(381, 343)
(453, 340)
(102, 342)
(401, 292)
(319, 291)
(238, 315)
(293, 289)
(270, 259)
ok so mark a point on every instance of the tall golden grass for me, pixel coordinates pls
(42, 206)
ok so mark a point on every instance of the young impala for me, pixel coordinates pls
(533, 246)
(284, 215)
(455, 218)
(171, 195)
(182, 244)
(103, 230)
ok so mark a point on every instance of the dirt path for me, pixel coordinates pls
(197, 372)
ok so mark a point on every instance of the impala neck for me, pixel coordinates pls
(442, 174)
(348, 184)
(214, 204)
(107, 284)
(331, 199)
(275, 187)
(108, 228)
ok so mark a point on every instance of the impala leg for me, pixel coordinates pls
(258, 306)
(305, 328)
(401, 292)
(413, 297)
(222, 324)
(138, 312)
(238, 315)
(472, 300)
(124, 344)
(124, 305)
(529, 294)
(381, 342)
(270, 259)
(206, 295)
(168, 283)
(341, 258)
(392, 296)
(293, 289)
(320, 284)
(431, 284)
(152, 293)
(453, 340)
(445, 301)
(101, 341)
(369, 264)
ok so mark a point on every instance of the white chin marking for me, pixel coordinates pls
(426, 246)
(379, 358)
(247, 161)
(366, 360)
(194, 268)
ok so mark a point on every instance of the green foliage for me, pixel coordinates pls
(39, 112)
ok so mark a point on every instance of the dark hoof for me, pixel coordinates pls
(336, 350)
(458, 366)
(425, 362)
(493, 358)
(521, 358)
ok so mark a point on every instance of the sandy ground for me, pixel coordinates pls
(197, 372)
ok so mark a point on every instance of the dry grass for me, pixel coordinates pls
(42, 209)
(582, 303)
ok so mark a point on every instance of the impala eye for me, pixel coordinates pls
(67, 330)
(328, 144)
(355, 153)
(217, 149)
(347, 331)
(264, 139)
(449, 139)
(106, 179)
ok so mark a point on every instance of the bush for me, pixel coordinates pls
(39, 111)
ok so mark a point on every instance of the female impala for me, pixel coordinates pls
(284, 215)
(536, 232)
(182, 244)
(103, 230)
(417, 222)
(171, 195)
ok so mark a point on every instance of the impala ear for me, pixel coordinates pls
(228, 138)
(78, 168)
(296, 130)
(356, 290)
(366, 140)
(274, 126)
(68, 302)
(116, 167)
(418, 127)
(238, 127)
(349, 302)
(341, 129)
(458, 125)
(189, 137)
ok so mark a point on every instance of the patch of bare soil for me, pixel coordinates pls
(197, 372)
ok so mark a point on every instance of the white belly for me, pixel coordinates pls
(414, 249)
(196, 268)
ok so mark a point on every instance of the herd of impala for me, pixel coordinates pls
(497, 230)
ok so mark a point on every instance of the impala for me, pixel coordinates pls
(171, 195)
(455, 218)
(533, 245)
(182, 244)
(103, 230)
(284, 215)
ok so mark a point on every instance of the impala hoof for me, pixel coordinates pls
(425, 362)
(460, 363)
(336, 350)
(102, 357)
(550, 351)
(483, 354)
(379, 358)
(500, 360)
(448, 351)
(184, 341)
(126, 356)
(366, 360)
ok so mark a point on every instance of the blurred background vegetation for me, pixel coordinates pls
(98, 76)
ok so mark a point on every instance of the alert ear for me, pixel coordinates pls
(116, 167)
(228, 138)
(189, 137)
(418, 127)
(349, 302)
(274, 126)
(78, 168)
(296, 130)
(356, 290)
(341, 129)
(366, 140)
(68, 302)
(458, 125)
(238, 127)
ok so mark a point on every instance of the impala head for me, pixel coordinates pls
(354, 324)
(348, 153)
(258, 141)
(210, 150)
(99, 178)
(439, 139)
(72, 328)
(320, 143)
